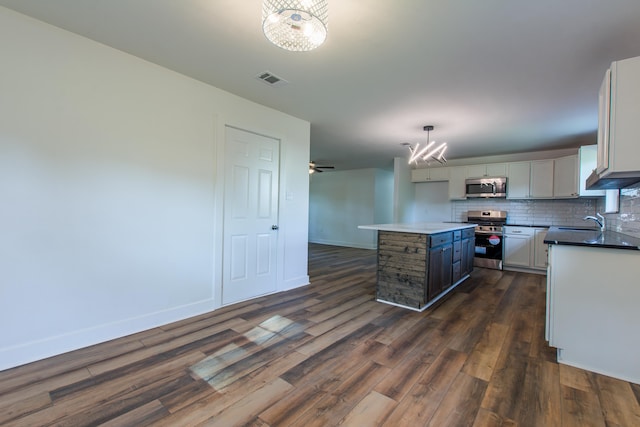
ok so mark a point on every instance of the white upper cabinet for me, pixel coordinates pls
(536, 179)
(497, 169)
(519, 180)
(618, 148)
(457, 177)
(588, 160)
(565, 177)
(430, 174)
(491, 169)
(541, 179)
(604, 113)
(439, 174)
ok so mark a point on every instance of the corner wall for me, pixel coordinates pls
(111, 200)
(340, 201)
(626, 221)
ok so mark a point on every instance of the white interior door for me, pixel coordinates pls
(250, 215)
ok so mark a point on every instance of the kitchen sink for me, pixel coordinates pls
(584, 234)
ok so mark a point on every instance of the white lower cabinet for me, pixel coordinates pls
(592, 312)
(541, 250)
(524, 247)
(517, 246)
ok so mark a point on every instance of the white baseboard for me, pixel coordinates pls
(295, 283)
(22, 354)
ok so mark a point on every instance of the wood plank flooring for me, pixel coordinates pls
(329, 355)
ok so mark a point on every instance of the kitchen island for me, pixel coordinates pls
(592, 300)
(420, 263)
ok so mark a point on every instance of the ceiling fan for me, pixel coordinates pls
(315, 168)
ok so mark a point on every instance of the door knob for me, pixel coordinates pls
(274, 227)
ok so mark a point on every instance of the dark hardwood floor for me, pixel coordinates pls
(328, 355)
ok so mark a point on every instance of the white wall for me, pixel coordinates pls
(111, 195)
(403, 193)
(431, 201)
(383, 197)
(340, 201)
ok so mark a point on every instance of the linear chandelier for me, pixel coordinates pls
(295, 25)
(429, 152)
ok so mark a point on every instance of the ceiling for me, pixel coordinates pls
(493, 76)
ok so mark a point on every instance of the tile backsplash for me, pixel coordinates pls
(627, 221)
(566, 212)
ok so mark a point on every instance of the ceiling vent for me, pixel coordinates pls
(271, 79)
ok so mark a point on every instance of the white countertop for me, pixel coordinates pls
(419, 227)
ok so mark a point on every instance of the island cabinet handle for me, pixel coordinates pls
(516, 231)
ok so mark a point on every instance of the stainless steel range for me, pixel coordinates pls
(489, 237)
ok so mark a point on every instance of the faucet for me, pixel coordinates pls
(600, 220)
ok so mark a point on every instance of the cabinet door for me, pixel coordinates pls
(623, 147)
(604, 110)
(518, 180)
(419, 175)
(542, 179)
(476, 171)
(497, 169)
(540, 248)
(467, 254)
(565, 177)
(447, 267)
(440, 274)
(457, 176)
(434, 275)
(518, 243)
(439, 174)
(587, 162)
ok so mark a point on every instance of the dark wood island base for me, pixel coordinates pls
(415, 270)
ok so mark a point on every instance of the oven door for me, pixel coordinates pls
(488, 251)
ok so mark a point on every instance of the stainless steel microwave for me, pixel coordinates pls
(486, 187)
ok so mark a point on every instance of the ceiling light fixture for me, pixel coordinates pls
(428, 152)
(296, 25)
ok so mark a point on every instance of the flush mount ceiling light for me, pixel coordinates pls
(431, 151)
(296, 25)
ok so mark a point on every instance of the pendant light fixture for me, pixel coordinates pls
(295, 25)
(431, 151)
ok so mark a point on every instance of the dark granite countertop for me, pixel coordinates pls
(583, 236)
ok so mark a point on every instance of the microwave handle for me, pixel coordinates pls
(494, 187)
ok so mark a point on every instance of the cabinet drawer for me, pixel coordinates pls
(522, 231)
(440, 239)
(457, 235)
(456, 271)
(457, 250)
(468, 233)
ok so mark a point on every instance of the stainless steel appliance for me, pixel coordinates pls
(489, 237)
(486, 187)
